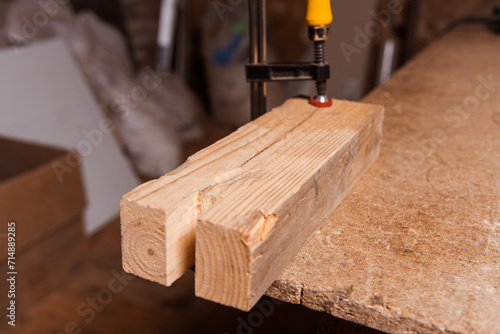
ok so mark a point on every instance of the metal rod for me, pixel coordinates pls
(166, 35)
(258, 90)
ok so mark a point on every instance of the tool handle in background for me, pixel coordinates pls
(166, 33)
(319, 13)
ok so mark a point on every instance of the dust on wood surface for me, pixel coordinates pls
(415, 247)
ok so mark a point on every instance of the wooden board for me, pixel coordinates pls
(266, 209)
(415, 247)
(158, 218)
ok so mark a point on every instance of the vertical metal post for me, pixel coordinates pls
(258, 90)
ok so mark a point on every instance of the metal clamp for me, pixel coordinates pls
(287, 72)
(259, 71)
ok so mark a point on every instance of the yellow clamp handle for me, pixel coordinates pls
(319, 13)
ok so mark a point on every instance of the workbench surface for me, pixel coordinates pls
(416, 246)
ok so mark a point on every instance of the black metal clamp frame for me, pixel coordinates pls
(259, 71)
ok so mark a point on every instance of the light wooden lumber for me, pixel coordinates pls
(158, 219)
(266, 211)
(415, 247)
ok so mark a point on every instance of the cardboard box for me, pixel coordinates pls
(32, 195)
(47, 211)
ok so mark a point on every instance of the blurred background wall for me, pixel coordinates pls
(286, 19)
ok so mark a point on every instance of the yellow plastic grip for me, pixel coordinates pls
(319, 13)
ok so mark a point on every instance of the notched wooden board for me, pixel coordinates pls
(273, 180)
(263, 215)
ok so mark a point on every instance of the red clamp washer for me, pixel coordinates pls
(320, 104)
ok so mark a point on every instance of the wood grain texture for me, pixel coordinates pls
(415, 247)
(158, 218)
(267, 208)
